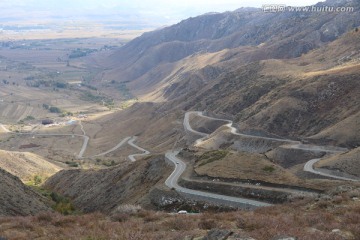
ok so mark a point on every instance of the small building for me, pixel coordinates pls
(47, 122)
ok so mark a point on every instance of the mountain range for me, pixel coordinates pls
(291, 74)
(291, 77)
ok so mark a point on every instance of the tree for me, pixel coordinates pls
(37, 180)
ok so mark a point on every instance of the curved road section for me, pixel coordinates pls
(82, 150)
(124, 141)
(180, 166)
(132, 157)
(188, 127)
(309, 166)
(129, 140)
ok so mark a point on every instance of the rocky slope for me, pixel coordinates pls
(294, 74)
(16, 199)
(104, 190)
(348, 162)
(336, 217)
(284, 35)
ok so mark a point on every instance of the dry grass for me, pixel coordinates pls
(303, 219)
(246, 166)
(26, 165)
(347, 162)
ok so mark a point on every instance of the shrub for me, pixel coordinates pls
(212, 157)
(72, 164)
(62, 204)
(55, 109)
(60, 85)
(46, 106)
(37, 180)
(179, 223)
(269, 169)
(207, 224)
(44, 217)
(120, 217)
(127, 209)
(29, 118)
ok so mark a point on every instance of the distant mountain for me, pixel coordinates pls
(249, 64)
(288, 34)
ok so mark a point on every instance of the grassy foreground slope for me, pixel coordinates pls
(324, 219)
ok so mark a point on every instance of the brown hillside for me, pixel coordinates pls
(26, 165)
(104, 190)
(17, 199)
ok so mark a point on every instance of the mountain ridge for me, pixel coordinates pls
(278, 32)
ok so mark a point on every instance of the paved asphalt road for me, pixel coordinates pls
(124, 141)
(229, 124)
(180, 166)
(132, 157)
(129, 140)
(82, 150)
(309, 166)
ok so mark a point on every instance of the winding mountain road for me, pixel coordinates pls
(180, 167)
(132, 157)
(309, 166)
(129, 140)
(124, 141)
(230, 125)
(82, 150)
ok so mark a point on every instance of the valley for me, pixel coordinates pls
(244, 115)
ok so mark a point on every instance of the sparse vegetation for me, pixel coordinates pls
(303, 219)
(266, 96)
(60, 85)
(269, 169)
(124, 90)
(212, 156)
(72, 164)
(29, 118)
(106, 101)
(109, 163)
(37, 180)
(127, 104)
(53, 109)
(77, 53)
(89, 86)
(65, 114)
(62, 204)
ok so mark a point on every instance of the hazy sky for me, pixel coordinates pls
(173, 10)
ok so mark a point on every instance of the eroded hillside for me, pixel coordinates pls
(104, 190)
(17, 199)
(290, 74)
